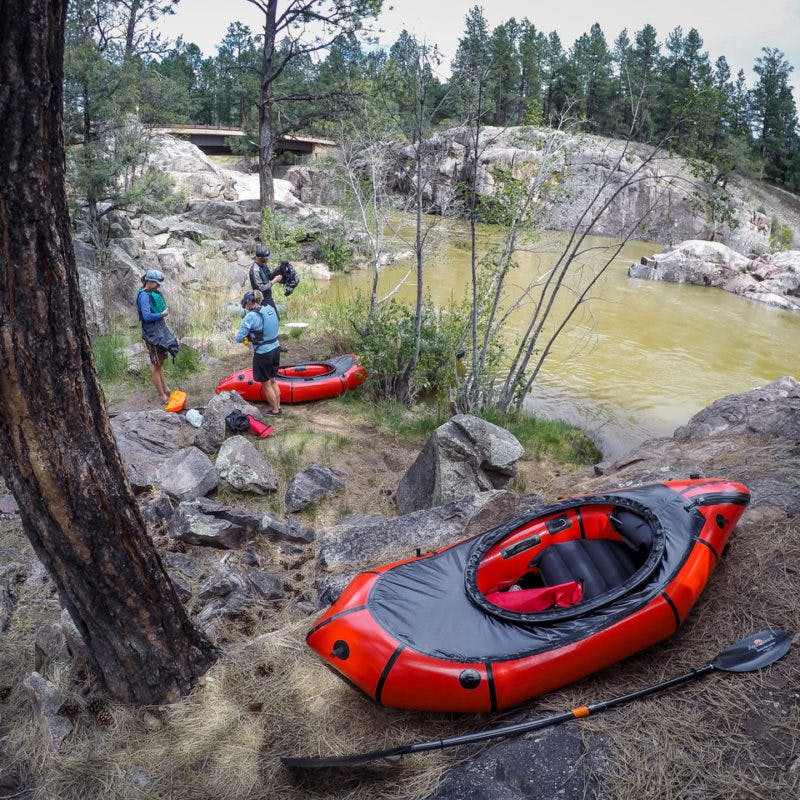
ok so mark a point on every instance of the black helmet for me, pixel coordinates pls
(261, 251)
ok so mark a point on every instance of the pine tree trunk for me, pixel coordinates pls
(57, 453)
(266, 134)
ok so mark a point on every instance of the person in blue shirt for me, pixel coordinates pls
(260, 328)
(158, 338)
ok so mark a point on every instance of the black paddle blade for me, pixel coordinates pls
(754, 652)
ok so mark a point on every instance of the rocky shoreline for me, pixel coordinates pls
(211, 239)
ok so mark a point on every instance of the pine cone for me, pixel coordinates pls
(102, 712)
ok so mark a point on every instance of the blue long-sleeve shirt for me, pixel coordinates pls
(261, 318)
(143, 303)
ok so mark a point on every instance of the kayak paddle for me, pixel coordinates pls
(747, 655)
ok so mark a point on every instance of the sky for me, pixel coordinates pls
(737, 29)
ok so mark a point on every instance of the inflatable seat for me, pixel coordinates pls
(597, 564)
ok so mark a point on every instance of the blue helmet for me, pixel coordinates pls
(154, 275)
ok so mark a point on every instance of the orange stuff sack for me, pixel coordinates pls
(176, 401)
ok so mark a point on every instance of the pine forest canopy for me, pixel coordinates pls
(530, 77)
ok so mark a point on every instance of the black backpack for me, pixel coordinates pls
(290, 277)
(237, 422)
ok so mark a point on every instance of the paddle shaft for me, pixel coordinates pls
(754, 652)
(556, 719)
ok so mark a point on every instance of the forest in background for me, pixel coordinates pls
(119, 70)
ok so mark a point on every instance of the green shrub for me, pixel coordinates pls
(187, 363)
(781, 237)
(281, 237)
(334, 249)
(109, 361)
(387, 348)
(543, 438)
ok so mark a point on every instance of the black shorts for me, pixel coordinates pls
(265, 365)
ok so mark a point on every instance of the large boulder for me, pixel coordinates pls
(753, 438)
(243, 468)
(464, 456)
(216, 213)
(187, 474)
(192, 171)
(145, 439)
(206, 522)
(311, 485)
(372, 539)
(772, 279)
(108, 284)
(213, 430)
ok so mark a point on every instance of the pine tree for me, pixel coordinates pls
(505, 73)
(592, 61)
(775, 117)
(531, 48)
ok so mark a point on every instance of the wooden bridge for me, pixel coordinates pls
(211, 139)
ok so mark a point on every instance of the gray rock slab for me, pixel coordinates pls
(311, 485)
(146, 439)
(549, 766)
(188, 474)
(365, 540)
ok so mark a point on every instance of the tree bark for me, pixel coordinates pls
(57, 452)
(266, 137)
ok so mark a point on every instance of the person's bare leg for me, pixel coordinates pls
(272, 395)
(160, 382)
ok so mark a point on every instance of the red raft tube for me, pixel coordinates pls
(532, 605)
(299, 383)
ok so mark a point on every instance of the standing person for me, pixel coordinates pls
(158, 338)
(260, 328)
(261, 277)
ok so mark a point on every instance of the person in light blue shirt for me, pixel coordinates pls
(260, 328)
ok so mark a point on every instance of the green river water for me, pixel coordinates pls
(641, 357)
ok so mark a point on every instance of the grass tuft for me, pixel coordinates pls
(109, 361)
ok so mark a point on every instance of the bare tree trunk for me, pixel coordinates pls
(130, 28)
(266, 137)
(421, 124)
(57, 451)
(404, 393)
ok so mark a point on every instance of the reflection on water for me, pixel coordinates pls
(641, 357)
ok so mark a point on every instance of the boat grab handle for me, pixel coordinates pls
(555, 525)
(521, 547)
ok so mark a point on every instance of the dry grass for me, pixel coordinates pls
(726, 737)
(266, 698)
